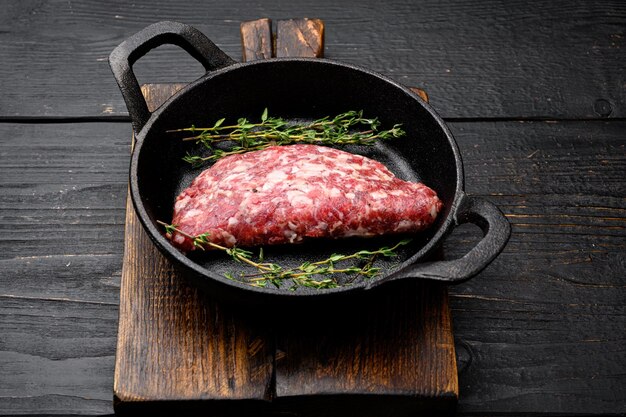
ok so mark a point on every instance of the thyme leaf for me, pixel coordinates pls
(320, 274)
(244, 136)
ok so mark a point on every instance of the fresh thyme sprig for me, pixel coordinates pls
(247, 136)
(302, 275)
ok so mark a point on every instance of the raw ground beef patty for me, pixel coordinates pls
(284, 194)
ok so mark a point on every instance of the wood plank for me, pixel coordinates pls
(476, 59)
(392, 354)
(56, 355)
(176, 342)
(256, 38)
(300, 37)
(398, 359)
(426, 333)
(551, 309)
(541, 330)
(65, 188)
(61, 204)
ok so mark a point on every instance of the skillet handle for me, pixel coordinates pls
(128, 52)
(496, 230)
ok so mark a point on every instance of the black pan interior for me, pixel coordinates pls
(297, 90)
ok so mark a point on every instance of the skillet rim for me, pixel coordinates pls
(170, 251)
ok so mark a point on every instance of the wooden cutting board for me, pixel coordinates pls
(179, 349)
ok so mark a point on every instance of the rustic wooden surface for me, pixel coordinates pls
(300, 37)
(481, 59)
(176, 343)
(256, 39)
(540, 332)
(399, 355)
(393, 357)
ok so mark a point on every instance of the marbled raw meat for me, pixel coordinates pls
(286, 194)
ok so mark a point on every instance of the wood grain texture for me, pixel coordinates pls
(300, 37)
(60, 265)
(392, 354)
(256, 38)
(555, 315)
(396, 360)
(557, 59)
(175, 342)
(539, 331)
(421, 376)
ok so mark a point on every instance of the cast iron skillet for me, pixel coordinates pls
(296, 88)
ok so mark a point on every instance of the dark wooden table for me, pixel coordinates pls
(534, 92)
